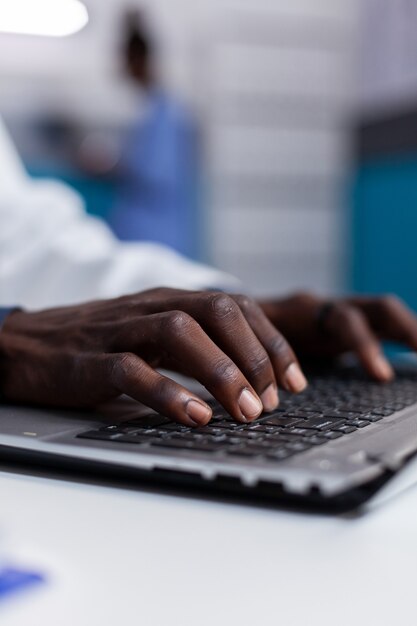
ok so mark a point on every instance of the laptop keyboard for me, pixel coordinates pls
(330, 408)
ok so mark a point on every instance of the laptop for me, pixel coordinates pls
(331, 447)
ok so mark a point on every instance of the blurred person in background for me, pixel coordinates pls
(158, 177)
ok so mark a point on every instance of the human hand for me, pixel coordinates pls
(84, 355)
(327, 328)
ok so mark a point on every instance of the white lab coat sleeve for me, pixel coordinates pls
(52, 253)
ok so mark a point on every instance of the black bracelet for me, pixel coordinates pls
(4, 313)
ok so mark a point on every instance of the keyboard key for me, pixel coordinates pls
(345, 415)
(185, 445)
(188, 436)
(345, 429)
(321, 423)
(332, 435)
(208, 430)
(230, 439)
(227, 425)
(316, 441)
(255, 436)
(176, 428)
(133, 439)
(279, 455)
(373, 418)
(254, 450)
(382, 412)
(278, 438)
(348, 409)
(300, 431)
(280, 421)
(245, 452)
(217, 438)
(303, 414)
(298, 446)
(260, 428)
(359, 423)
(239, 434)
(100, 435)
(134, 430)
(396, 406)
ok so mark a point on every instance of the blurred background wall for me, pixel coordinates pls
(273, 84)
(384, 184)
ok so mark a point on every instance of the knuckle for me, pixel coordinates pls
(245, 302)
(122, 366)
(278, 346)
(259, 363)
(351, 326)
(177, 321)
(221, 305)
(344, 313)
(225, 372)
(163, 389)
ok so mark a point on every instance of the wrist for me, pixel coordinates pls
(5, 314)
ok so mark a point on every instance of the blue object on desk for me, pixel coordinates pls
(12, 580)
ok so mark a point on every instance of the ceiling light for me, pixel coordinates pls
(50, 18)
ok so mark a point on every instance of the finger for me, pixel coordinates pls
(221, 318)
(130, 375)
(185, 347)
(349, 326)
(197, 354)
(285, 364)
(390, 318)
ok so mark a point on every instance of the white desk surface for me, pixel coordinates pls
(121, 557)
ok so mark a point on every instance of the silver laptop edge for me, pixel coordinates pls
(337, 467)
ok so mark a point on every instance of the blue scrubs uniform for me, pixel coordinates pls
(158, 193)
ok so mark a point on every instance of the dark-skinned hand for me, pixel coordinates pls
(320, 328)
(83, 355)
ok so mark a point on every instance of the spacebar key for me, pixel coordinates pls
(321, 423)
(102, 435)
(114, 437)
(185, 445)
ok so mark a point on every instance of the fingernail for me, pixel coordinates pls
(270, 398)
(383, 368)
(198, 412)
(250, 406)
(295, 379)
